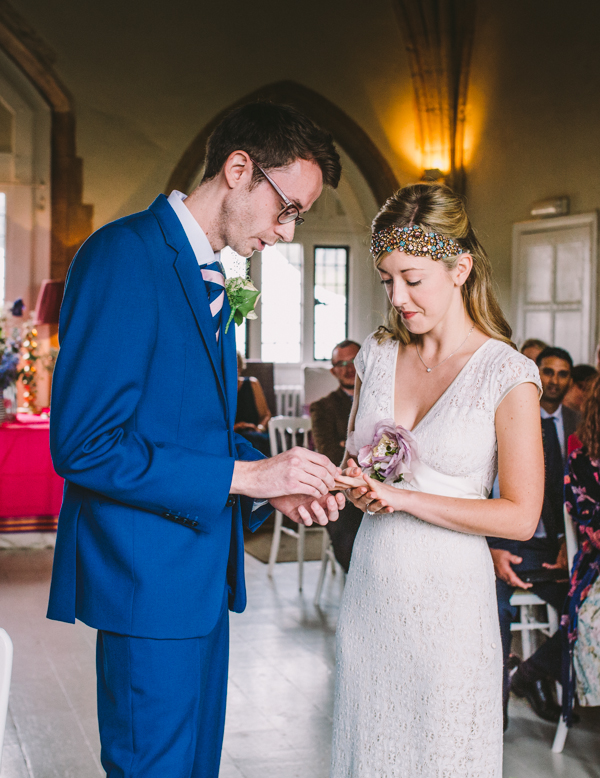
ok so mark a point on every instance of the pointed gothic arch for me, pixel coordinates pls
(375, 169)
(71, 220)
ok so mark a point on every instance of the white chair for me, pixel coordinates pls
(572, 547)
(526, 601)
(528, 623)
(327, 557)
(6, 656)
(285, 432)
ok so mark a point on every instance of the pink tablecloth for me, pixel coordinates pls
(30, 490)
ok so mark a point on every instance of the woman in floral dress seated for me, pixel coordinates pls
(581, 622)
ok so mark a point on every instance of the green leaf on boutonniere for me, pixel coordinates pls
(242, 296)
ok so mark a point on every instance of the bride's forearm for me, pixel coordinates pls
(499, 518)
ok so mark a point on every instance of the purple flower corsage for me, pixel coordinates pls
(388, 457)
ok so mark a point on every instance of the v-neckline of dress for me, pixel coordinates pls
(442, 395)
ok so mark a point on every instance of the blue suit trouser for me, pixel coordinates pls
(161, 704)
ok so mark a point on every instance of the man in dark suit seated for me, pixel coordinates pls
(330, 417)
(546, 548)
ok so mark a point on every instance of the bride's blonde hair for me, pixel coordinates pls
(435, 208)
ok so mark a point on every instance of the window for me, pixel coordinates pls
(303, 308)
(330, 299)
(554, 286)
(281, 303)
(2, 246)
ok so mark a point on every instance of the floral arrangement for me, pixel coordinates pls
(242, 296)
(389, 454)
(19, 353)
(10, 349)
(28, 373)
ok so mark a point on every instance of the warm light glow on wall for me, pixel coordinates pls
(435, 158)
(475, 114)
(401, 129)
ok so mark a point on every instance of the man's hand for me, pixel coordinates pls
(562, 562)
(306, 511)
(503, 561)
(297, 471)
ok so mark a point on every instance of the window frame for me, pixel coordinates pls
(346, 248)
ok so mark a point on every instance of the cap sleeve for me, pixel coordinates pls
(514, 369)
(361, 360)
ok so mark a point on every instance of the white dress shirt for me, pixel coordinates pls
(194, 232)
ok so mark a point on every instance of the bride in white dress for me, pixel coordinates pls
(419, 658)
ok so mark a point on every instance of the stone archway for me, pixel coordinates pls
(347, 133)
(71, 220)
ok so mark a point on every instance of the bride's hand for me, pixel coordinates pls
(382, 498)
(364, 492)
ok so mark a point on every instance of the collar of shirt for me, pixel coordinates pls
(558, 414)
(560, 427)
(194, 232)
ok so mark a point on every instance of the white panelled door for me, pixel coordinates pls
(554, 283)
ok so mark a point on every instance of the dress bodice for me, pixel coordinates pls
(457, 437)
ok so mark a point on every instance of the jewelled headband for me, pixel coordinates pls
(412, 240)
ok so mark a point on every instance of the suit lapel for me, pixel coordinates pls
(229, 360)
(186, 267)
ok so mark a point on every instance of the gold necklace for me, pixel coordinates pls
(429, 369)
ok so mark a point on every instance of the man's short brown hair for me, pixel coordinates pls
(275, 136)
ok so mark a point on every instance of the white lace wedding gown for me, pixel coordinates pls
(419, 658)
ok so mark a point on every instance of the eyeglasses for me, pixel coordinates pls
(343, 363)
(288, 214)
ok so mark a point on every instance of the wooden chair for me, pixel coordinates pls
(6, 656)
(265, 374)
(285, 432)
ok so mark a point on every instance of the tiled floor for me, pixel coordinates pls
(280, 694)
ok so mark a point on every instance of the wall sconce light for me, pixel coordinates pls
(558, 206)
(433, 174)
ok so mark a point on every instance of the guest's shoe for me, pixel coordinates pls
(513, 663)
(538, 694)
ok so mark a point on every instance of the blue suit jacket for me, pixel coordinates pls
(143, 406)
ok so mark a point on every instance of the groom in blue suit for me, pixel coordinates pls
(158, 487)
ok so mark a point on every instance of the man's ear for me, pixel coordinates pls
(462, 269)
(237, 169)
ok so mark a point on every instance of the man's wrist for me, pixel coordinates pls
(241, 479)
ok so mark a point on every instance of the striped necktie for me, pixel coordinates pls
(215, 288)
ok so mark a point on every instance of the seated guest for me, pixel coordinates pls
(581, 623)
(253, 413)
(329, 417)
(572, 655)
(582, 378)
(547, 546)
(532, 348)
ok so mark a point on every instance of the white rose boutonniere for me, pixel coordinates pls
(242, 296)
